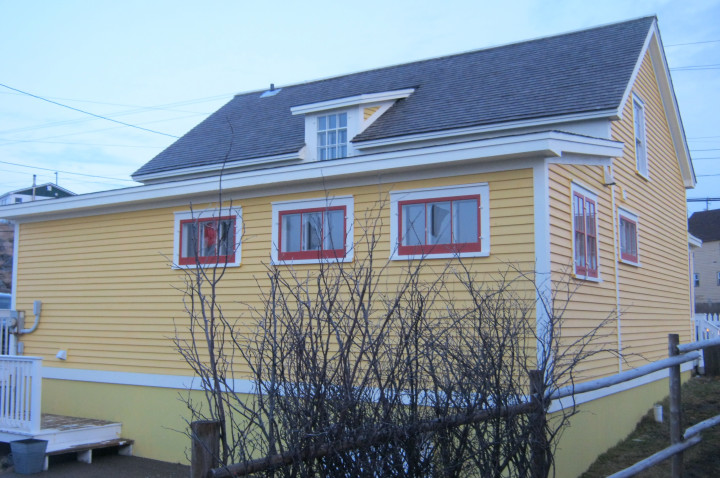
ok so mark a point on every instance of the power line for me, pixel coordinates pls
(65, 172)
(87, 112)
(694, 43)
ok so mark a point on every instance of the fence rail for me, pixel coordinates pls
(20, 393)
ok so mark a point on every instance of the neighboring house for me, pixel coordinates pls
(705, 225)
(35, 193)
(563, 154)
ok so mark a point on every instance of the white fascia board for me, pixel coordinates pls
(653, 44)
(694, 241)
(351, 101)
(549, 144)
(495, 127)
(216, 167)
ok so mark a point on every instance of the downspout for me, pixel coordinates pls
(616, 245)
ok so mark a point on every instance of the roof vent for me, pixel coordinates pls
(271, 92)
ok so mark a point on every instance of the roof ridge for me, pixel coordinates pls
(450, 55)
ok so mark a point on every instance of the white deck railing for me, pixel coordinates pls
(20, 393)
(707, 326)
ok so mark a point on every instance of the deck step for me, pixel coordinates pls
(84, 452)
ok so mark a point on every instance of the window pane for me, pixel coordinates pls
(342, 136)
(413, 224)
(322, 139)
(590, 217)
(342, 120)
(579, 249)
(579, 212)
(189, 238)
(334, 230)
(465, 221)
(226, 240)
(209, 238)
(331, 138)
(342, 151)
(439, 218)
(312, 231)
(322, 123)
(332, 121)
(331, 152)
(291, 233)
(322, 154)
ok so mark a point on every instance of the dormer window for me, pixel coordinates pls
(332, 136)
(331, 125)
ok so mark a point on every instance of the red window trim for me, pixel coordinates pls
(623, 255)
(585, 270)
(319, 254)
(216, 259)
(451, 248)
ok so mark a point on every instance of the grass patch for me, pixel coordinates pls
(700, 401)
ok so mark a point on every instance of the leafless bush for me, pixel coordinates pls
(384, 368)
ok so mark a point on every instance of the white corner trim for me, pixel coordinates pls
(15, 266)
(351, 101)
(543, 267)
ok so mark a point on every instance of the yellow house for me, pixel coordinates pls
(563, 154)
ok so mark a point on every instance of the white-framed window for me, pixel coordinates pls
(332, 136)
(313, 230)
(441, 222)
(628, 231)
(641, 155)
(585, 233)
(696, 279)
(208, 238)
(718, 278)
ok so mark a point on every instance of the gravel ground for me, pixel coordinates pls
(108, 466)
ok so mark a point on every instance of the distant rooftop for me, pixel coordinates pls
(705, 225)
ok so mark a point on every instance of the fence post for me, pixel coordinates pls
(675, 406)
(205, 437)
(539, 447)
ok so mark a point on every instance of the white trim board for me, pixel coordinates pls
(546, 144)
(183, 382)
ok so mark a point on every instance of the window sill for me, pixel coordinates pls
(449, 255)
(646, 177)
(219, 265)
(588, 278)
(630, 263)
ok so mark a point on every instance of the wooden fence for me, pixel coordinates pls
(204, 458)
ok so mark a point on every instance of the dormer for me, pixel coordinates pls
(331, 125)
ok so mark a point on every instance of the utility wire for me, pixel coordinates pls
(87, 112)
(65, 172)
(694, 43)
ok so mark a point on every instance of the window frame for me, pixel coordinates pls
(337, 130)
(718, 279)
(696, 279)
(185, 217)
(481, 248)
(284, 208)
(627, 216)
(584, 272)
(640, 137)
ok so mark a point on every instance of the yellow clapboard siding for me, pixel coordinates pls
(110, 297)
(655, 295)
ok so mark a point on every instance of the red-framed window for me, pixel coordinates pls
(628, 239)
(315, 233)
(207, 241)
(439, 225)
(585, 239)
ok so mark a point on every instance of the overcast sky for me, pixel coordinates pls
(165, 65)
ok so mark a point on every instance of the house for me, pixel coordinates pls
(35, 193)
(563, 154)
(705, 225)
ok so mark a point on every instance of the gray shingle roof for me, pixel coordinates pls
(577, 72)
(705, 225)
